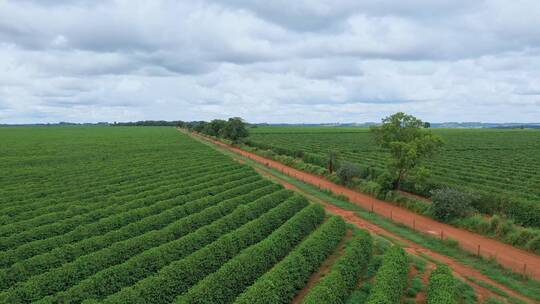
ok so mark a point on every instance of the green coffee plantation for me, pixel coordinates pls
(149, 215)
(500, 165)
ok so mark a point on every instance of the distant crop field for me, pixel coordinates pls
(490, 161)
(149, 215)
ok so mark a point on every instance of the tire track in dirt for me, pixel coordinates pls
(460, 270)
(511, 257)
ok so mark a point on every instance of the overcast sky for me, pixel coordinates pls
(269, 61)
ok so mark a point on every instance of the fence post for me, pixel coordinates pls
(391, 215)
(442, 234)
(478, 251)
(371, 207)
(525, 269)
(414, 223)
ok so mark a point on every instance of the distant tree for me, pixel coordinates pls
(408, 143)
(235, 130)
(332, 161)
(199, 126)
(214, 127)
(427, 125)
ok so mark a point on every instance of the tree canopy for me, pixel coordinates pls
(408, 141)
(232, 129)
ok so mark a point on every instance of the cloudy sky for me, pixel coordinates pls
(269, 61)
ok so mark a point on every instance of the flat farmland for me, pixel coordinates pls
(149, 215)
(500, 163)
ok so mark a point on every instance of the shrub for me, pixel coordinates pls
(370, 187)
(338, 284)
(442, 286)
(281, 283)
(449, 204)
(386, 180)
(347, 171)
(179, 276)
(534, 245)
(391, 278)
(67, 253)
(147, 263)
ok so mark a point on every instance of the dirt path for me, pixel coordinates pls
(421, 296)
(323, 270)
(459, 270)
(513, 258)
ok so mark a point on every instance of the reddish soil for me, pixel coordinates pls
(323, 270)
(460, 270)
(421, 296)
(511, 257)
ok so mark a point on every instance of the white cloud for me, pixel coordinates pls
(275, 61)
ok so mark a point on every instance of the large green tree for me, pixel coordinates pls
(214, 127)
(235, 129)
(408, 141)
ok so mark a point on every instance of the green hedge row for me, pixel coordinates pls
(280, 284)
(19, 220)
(91, 190)
(49, 184)
(391, 278)
(69, 274)
(338, 284)
(35, 197)
(8, 258)
(177, 277)
(442, 286)
(64, 226)
(28, 211)
(72, 209)
(111, 280)
(67, 253)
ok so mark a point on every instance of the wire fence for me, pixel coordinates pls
(417, 224)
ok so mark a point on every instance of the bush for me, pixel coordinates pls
(370, 187)
(503, 229)
(150, 205)
(442, 285)
(449, 204)
(387, 181)
(418, 206)
(534, 245)
(338, 284)
(69, 274)
(112, 279)
(179, 276)
(280, 284)
(347, 171)
(61, 255)
(391, 278)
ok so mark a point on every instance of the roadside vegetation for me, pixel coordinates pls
(403, 154)
(466, 294)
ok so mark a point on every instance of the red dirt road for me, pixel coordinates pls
(511, 257)
(462, 271)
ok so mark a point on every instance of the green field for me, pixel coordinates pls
(502, 165)
(149, 215)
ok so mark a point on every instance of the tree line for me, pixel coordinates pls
(233, 129)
